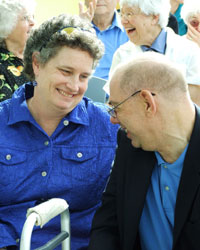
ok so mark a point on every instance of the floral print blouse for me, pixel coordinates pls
(11, 75)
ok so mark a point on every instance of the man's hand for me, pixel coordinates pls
(193, 34)
(89, 13)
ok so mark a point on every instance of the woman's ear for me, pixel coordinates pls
(35, 63)
(155, 19)
(149, 102)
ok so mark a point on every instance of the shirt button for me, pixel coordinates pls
(166, 188)
(66, 122)
(79, 155)
(17, 240)
(165, 166)
(46, 143)
(8, 157)
(44, 173)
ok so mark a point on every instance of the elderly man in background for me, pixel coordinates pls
(152, 200)
(109, 30)
(145, 23)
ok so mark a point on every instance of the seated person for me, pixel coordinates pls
(107, 23)
(191, 15)
(55, 143)
(152, 200)
(16, 22)
(145, 24)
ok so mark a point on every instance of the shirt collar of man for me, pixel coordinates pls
(19, 110)
(175, 165)
(159, 45)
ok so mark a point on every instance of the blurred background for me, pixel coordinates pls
(48, 8)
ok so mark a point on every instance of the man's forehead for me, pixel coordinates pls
(115, 91)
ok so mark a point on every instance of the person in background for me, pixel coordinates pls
(191, 15)
(55, 142)
(145, 23)
(109, 30)
(16, 22)
(176, 9)
(152, 200)
(173, 23)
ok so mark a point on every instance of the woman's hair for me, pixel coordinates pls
(46, 41)
(190, 8)
(9, 13)
(152, 7)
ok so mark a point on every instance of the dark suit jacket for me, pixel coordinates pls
(115, 225)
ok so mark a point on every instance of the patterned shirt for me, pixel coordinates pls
(11, 75)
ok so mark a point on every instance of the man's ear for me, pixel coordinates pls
(149, 102)
(35, 63)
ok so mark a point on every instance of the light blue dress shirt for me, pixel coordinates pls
(114, 36)
(159, 45)
(157, 220)
(73, 163)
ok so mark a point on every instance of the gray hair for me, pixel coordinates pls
(9, 13)
(152, 7)
(48, 39)
(154, 72)
(190, 8)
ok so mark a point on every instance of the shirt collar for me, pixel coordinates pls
(159, 45)
(178, 162)
(19, 110)
(116, 22)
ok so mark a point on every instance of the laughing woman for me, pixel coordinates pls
(16, 21)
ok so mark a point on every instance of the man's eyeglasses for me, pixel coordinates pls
(112, 109)
(68, 30)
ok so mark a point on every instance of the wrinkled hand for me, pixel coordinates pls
(89, 13)
(193, 34)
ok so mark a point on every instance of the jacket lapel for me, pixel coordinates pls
(190, 180)
(138, 177)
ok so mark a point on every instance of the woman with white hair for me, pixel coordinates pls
(16, 22)
(145, 23)
(191, 15)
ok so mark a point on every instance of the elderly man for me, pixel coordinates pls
(145, 23)
(108, 28)
(152, 200)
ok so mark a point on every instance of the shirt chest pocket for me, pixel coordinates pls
(12, 166)
(80, 164)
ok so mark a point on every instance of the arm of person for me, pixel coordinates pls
(194, 93)
(105, 228)
(89, 12)
(193, 34)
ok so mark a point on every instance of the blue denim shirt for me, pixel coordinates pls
(73, 163)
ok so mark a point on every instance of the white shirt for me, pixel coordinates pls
(178, 49)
